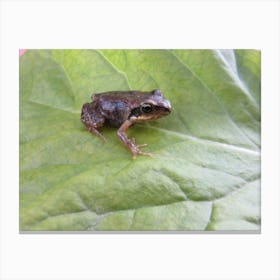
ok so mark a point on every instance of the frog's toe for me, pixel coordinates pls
(96, 132)
(145, 153)
(139, 152)
(141, 145)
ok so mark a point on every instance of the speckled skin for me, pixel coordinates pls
(123, 109)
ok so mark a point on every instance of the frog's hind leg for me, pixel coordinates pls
(92, 121)
(92, 129)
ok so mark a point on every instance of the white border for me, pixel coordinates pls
(156, 24)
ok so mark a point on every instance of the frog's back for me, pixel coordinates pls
(128, 96)
(114, 106)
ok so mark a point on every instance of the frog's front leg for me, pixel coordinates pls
(130, 144)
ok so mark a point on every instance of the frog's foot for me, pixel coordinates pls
(142, 153)
(138, 145)
(136, 151)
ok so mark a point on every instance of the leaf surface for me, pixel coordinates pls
(205, 173)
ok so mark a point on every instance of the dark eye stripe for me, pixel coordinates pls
(135, 113)
(159, 108)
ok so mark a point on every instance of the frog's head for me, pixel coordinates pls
(151, 107)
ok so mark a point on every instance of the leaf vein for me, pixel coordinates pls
(216, 98)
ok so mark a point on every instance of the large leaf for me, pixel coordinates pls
(205, 173)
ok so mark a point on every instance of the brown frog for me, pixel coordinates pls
(123, 109)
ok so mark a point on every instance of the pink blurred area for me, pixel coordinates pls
(21, 52)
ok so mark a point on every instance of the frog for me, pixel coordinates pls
(124, 109)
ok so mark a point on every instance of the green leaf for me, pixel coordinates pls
(205, 173)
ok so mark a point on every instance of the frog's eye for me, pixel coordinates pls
(146, 108)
